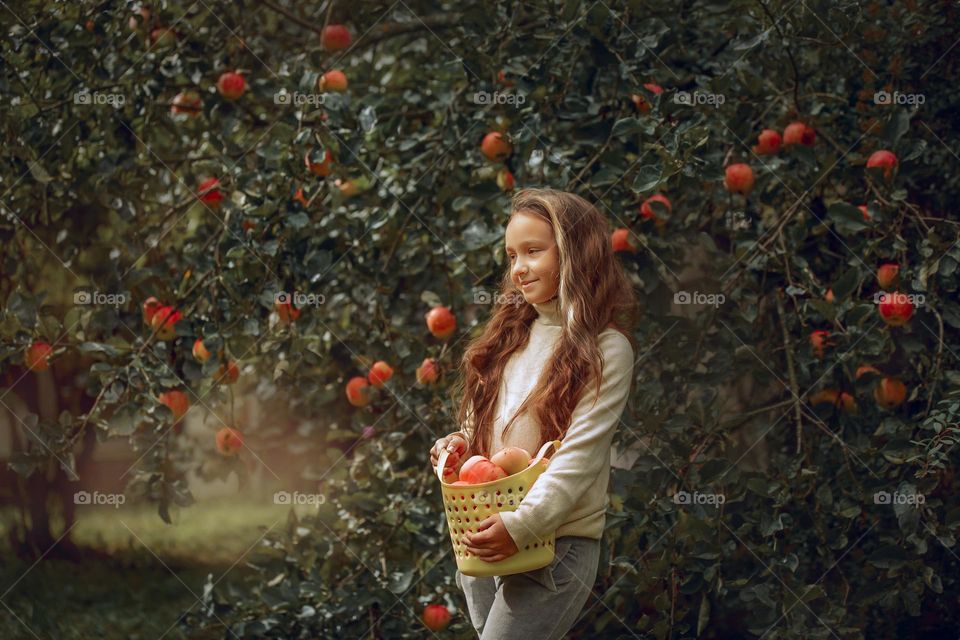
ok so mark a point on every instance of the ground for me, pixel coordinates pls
(137, 573)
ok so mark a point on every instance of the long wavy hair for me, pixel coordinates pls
(595, 293)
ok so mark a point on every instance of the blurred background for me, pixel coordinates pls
(244, 245)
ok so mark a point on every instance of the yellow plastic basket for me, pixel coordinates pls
(467, 506)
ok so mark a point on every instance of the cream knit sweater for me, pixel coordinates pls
(570, 497)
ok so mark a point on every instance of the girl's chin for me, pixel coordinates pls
(534, 298)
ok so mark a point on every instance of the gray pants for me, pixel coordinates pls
(542, 604)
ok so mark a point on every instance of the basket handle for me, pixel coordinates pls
(442, 460)
(442, 463)
(543, 450)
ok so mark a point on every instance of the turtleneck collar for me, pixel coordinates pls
(548, 312)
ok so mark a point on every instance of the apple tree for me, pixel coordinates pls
(296, 187)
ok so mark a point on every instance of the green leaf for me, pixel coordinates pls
(607, 175)
(38, 172)
(98, 347)
(846, 284)
(703, 615)
(23, 308)
(648, 177)
(712, 469)
(847, 218)
(297, 220)
(932, 580)
(400, 580)
(124, 421)
(898, 125)
(163, 509)
(888, 557)
(626, 127)
(368, 119)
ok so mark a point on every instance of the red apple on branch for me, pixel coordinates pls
(799, 133)
(177, 401)
(231, 85)
(335, 37)
(883, 159)
(37, 357)
(436, 617)
(441, 322)
(495, 148)
(380, 372)
(620, 241)
(229, 441)
(768, 142)
(738, 178)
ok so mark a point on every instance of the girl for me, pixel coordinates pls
(565, 308)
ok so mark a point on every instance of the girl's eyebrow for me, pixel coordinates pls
(527, 242)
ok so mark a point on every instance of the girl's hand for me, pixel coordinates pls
(457, 447)
(492, 541)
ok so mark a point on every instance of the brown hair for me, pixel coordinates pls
(594, 293)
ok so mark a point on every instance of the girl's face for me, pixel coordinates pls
(534, 257)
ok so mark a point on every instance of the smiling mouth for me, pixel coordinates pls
(528, 283)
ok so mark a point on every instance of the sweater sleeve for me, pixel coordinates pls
(584, 452)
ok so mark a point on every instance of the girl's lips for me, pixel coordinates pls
(525, 285)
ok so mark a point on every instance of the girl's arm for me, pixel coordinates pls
(584, 453)
(464, 433)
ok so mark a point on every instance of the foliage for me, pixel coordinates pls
(101, 195)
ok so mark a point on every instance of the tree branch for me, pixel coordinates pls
(380, 32)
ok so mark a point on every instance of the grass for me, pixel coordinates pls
(138, 574)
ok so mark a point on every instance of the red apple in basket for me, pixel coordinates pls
(479, 469)
(511, 459)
